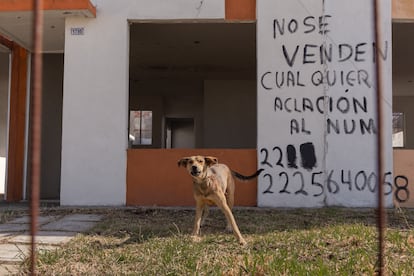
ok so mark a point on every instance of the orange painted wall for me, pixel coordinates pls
(403, 174)
(154, 178)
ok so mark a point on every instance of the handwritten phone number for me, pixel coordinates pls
(297, 183)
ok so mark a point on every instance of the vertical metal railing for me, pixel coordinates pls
(35, 126)
(380, 141)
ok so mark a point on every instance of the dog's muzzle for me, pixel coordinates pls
(195, 171)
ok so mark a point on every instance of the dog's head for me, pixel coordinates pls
(197, 165)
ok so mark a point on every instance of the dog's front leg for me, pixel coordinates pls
(198, 215)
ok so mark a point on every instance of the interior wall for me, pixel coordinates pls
(4, 87)
(51, 125)
(168, 99)
(182, 134)
(230, 114)
(224, 111)
(403, 72)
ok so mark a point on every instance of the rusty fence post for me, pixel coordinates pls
(380, 141)
(35, 126)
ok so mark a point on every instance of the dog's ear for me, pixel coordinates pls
(183, 162)
(210, 160)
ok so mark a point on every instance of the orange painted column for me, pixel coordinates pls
(403, 10)
(17, 123)
(240, 10)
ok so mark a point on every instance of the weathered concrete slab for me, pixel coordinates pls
(13, 252)
(9, 227)
(4, 236)
(44, 237)
(26, 220)
(68, 225)
(84, 217)
(15, 237)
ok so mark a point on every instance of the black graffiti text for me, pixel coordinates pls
(318, 183)
(328, 53)
(351, 126)
(307, 25)
(276, 158)
(322, 105)
(299, 126)
(401, 193)
(279, 79)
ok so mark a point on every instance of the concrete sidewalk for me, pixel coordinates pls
(53, 231)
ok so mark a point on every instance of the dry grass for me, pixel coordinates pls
(328, 241)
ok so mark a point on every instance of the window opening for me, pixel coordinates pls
(140, 127)
(398, 130)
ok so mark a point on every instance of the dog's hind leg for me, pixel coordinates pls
(230, 199)
(220, 201)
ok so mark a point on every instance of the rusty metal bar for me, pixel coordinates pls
(36, 124)
(380, 140)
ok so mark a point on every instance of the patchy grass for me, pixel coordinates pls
(328, 241)
(9, 214)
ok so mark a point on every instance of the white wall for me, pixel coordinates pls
(4, 100)
(307, 163)
(95, 95)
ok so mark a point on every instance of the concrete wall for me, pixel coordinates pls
(95, 97)
(313, 139)
(95, 105)
(4, 91)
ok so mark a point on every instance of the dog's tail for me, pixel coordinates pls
(246, 178)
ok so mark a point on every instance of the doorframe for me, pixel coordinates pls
(17, 119)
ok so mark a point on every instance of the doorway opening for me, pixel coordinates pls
(179, 133)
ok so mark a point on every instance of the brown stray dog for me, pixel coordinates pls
(213, 183)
